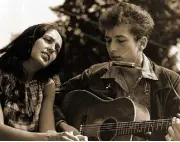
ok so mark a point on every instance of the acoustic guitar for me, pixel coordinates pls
(108, 120)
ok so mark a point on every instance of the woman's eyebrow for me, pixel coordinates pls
(59, 45)
(50, 36)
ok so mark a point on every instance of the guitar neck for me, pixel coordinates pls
(127, 128)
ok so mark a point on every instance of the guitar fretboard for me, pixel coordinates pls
(125, 128)
(128, 128)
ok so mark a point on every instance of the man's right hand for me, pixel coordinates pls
(65, 136)
(67, 128)
(64, 127)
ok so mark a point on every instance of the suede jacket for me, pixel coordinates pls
(164, 97)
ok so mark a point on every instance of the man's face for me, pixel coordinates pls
(121, 44)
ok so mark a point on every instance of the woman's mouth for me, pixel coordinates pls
(45, 56)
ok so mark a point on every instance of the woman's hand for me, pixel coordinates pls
(174, 130)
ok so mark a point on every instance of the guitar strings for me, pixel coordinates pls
(126, 123)
(122, 127)
(125, 129)
(125, 126)
(128, 126)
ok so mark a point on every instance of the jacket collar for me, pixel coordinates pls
(147, 71)
(162, 82)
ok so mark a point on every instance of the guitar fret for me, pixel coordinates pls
(146, 126)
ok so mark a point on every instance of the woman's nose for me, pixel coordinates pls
(51, 49)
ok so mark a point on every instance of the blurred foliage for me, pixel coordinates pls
(172, 60)
(85, 45)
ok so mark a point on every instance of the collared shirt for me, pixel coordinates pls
(117, 85)
(141, 90)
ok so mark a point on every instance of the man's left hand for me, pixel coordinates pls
(174, 130)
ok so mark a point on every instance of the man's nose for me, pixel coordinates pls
(112, 47)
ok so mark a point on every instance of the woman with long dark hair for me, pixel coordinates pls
(27, 90)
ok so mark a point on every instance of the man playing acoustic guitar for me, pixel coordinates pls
(130, 74)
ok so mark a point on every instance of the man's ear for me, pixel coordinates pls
(143, 43)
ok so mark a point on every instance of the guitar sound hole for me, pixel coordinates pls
(108, 129)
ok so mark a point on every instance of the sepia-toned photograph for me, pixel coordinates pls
(90, 70)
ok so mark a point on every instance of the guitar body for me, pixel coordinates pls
(84, 108)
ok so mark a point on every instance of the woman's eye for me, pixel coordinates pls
(47, 39)
(57, 48)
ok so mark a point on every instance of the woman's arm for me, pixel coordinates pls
(12, 134)
(9, 133)
(46, 122)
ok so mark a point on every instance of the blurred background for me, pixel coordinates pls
(85, 45)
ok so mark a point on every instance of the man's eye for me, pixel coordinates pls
(120, 41)
(107, 40)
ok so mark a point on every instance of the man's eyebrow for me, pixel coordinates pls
(119, 36)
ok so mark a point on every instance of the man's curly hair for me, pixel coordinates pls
(140, 21)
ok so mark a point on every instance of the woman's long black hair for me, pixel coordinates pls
(18, 51)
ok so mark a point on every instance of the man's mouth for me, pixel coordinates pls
(116, 58)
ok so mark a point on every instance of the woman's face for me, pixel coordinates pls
(46, 48)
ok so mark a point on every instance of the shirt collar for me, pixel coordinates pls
(147, 70)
